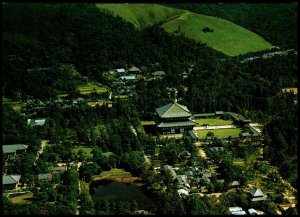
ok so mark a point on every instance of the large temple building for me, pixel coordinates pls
(174, 118)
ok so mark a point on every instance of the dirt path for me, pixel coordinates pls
(200, 150)
(43, 145)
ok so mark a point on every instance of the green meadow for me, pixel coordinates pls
(226, 37)
(213, 121)
(220, 132)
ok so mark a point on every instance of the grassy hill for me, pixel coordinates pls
(226, 37)
(142, 15)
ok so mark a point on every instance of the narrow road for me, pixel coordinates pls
(43, 145)
(79, 188)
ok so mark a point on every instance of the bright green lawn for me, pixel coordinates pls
(147, 123)
(220, 132)
(213, 121)
(89, 87)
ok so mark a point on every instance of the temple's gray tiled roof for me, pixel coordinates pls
(173, 110)
(176, 124)
(10, 179)
(13, 148)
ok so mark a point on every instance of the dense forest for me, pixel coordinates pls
(274, 22)
(49, 48)
(94, 41)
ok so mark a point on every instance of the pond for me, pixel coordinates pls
(111, 190)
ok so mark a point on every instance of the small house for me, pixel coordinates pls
(36, 122)
(14, 149)
(10, 182)
(134, 70)
(121, 71)
(252, 211)
(234, 184)
(159, 74)
(237, 211)
(128, 78)
(257, 195)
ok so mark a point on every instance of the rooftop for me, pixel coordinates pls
(176, 124)
(173, 110)
(134, 69)
(13, 148)
(121, 70)
(159, 73)
(36, 122)
(256, 192)
(10, 179)
(128, 77)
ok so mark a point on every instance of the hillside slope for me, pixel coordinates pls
(275, 22)
(226, 36)
(142, 15)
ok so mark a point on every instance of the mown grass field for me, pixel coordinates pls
(144, 123)
(220, 132)
(213, 121)
(16, 106)
(112, 174)
(227, 37)
(25, 198)
(89, 88)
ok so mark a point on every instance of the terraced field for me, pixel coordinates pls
(89, 88)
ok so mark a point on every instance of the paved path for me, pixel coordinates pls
(270, 55)
(215, 127)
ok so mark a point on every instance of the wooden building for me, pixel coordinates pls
(10, 182)
(173, 118)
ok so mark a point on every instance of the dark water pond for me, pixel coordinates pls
(110, 190)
